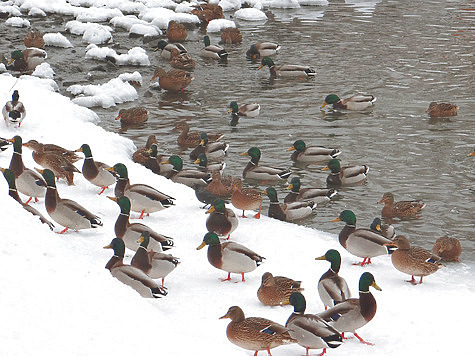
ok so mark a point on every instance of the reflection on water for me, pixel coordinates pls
(384, 48)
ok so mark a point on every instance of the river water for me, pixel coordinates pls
(405, 53)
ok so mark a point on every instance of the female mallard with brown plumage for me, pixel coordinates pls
(174, 80)
(413, 260)
(230, 256)
(12, 191)
(263, 173)
(59, 164)
(176, 32)
(354, 313)
(348, 175)
(221, 220)
(363, 243)
(207, 12)
(28, 181)
(14, 111)
(94, 171)
(287, 70)
(155, 264)
(34, 38)
(448, 248)
(144, 198)
(192, 139)
(255, 333)
(276, 290)
(221, 186)
(71, 156)
(310, 331)
(130, 233)
(400, 209)
(66, 212)
(311, 154)
(231, 35)
(181, 60)
(246, 199)
(132, 116)
(332, 288)
(317, 195)
(290, 211)
(213, 150)
(189, 177)
(262, 49)
(354, 103)
(130, 275)
(442, 109)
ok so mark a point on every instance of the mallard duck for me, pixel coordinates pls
(28, 181)
(354, 313)
(246, 199)
(386, 230)
(230, 256)
(213, 51)
(181, 60)
(130, 233)
(363, 243)
(176, 32)
(142, 154)
(231, 35)
(207, 12)
(204, 166)
(4, 143)
(287, 70)
(26, 60)
(332, 288)
(71, 156)
(66, 212)
(312, 154)
(130, 275)
(448, 248)
(355, 102)
(34, 38)
(317, 195)
(221, 220)
(220, 186)
(131, 116)
(167, 47)
(192, 139)
(254, 171)
(400, 209)
(255, 333)
(97, 173)
(57, 163)
(213, 150)
(174, 80)
(189, 177)
(415, 261)
(310, 331)
(154, 264)
(10, 178)
(277, 290)
(248, 110)
(14, 111)
(442, 109)
(348, 175)
(290, 211)
(144, 198)
(262, 49)
(154, 161)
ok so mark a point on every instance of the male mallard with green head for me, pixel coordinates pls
(287, 70)
(262, 49)
(213, 51)
(263, 173)
(311, 154)
(14, 111)
(348, 175)
(276, 290)
(288, 211)
(214, 151)
(189, 177)
(386, 230)
(166, 48)
(221, 220)
(26, 60)
(317, 195)
(230, 256)
(354, 103)
(205, 166)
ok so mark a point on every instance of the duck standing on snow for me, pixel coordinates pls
(246, 199)
(213, 51)
(10, 178)
(52, 148)
(66, 212)
(354, 103)
(448, 248)
(26, 60)
(287, 70)
(308, 154)
(144, 198)
(317, 195)
(262, 49)
(413, 260)
(348, 175)
(276, 290)
(354, 313)
(130, 275)
(174, 80)
(230, 256)
(363, 243)
(332, 288)
(310, 331)
(290, 211)
(221, 220)
(400, 209)
(255, 333)
(130, 233)
(254, 171)
(14, 111)
(95, 172)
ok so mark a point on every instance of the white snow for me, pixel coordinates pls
(145, 30)
(44, 70)
(17, 22)
(219, 24)
(135, 56)
(250, 14)
(57, 40)
(91, 32)
(36, 12)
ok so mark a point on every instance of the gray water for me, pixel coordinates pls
(405, 53)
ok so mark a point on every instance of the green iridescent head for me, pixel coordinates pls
(121, 170)
(203, 139)
(297, 300)
(153, 150)
(86, 150)
(17, 54)
(267, 61)
(123, 202)
(144, 239)
(334, 165)
(376, 224)
(202, 160)
(299, 145)
(209, 239)
(272, 194)
(48, 175)
(17, 142)
(348, 216)
(332, 99)
(206, 41)
(366, 281)
(234, 106)
(254, 153)
(218, 206)
(118, 246)
(294, 184)
(176, 162)
(332, 256)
